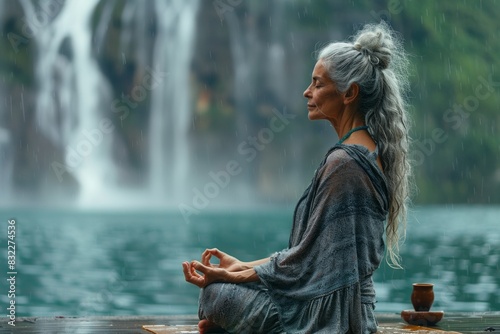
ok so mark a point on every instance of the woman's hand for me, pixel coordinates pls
(209, 274)
(229, 270)
(226, 261)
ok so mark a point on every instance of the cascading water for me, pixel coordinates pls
(170, 113)
(244, 48)
(70, 96)
(73, 101)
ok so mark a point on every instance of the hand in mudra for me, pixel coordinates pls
(211, 273)
(226, 261)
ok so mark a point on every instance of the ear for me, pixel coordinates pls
(351, 94)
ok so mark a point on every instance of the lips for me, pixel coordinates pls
(311, 106)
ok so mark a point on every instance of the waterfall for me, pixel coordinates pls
(245, 48)
(69, 106)
(170, 113)
(73, 95)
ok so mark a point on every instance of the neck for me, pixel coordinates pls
(344, 126)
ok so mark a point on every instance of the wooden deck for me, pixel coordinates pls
(389, 323)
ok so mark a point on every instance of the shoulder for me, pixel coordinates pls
(356, 155)
(338, 155)
(347, 176)
(339, 165)
(338, 158)
(351, 166)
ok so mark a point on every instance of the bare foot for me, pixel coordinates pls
(205, 326)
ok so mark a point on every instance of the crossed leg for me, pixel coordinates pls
(237, 308)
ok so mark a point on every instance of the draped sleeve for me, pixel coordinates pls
(335, 243)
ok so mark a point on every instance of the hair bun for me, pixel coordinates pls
(376, 43)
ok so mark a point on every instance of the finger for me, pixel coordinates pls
(189, 271)
(186, 268)
(192, 276)
(205, 257)
(217, 253)
(194, 273)
(210, 274)
(212, 252)
(201, 267)
(198, 281)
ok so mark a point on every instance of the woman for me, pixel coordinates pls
(322, 283)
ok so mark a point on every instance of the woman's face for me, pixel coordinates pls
(323, 99)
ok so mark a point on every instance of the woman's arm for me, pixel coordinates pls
(214, 274)
(229, 269)
(227, 261)
(257, 262)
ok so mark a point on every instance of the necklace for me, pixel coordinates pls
(363, 127)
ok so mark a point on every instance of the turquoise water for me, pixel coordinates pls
(76, 263)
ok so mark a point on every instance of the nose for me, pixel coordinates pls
(307, 92)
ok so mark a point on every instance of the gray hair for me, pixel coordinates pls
(376, 61)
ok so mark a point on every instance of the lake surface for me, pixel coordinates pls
(81, 263)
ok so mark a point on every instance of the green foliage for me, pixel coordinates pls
(17, 52)
(453, 48)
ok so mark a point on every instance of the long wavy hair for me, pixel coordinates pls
(376, 61)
